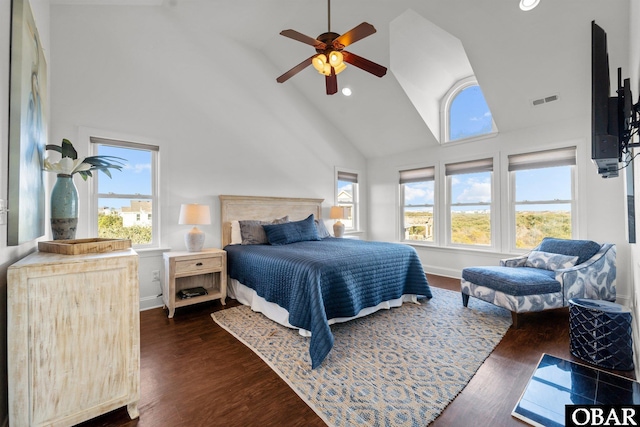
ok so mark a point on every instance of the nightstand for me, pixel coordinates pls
(186, 270)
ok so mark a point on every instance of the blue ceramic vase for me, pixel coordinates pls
(64, 208)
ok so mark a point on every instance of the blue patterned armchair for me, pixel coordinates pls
(547, 277)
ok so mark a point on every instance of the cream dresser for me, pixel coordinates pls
(73, 331)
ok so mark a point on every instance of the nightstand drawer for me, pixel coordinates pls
(195, 265)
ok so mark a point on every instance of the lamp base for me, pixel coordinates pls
(338, 229)
(194, 240)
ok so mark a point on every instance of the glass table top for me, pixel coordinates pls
(558, 382)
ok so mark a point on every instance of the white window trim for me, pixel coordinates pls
(356, 196)
(445, 104)
(85, 135)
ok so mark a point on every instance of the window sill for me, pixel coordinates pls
(150, 252)
(461, 249)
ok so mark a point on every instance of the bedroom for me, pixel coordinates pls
(209, 99)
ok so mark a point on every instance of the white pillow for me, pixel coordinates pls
(550, 261)
(236, 236)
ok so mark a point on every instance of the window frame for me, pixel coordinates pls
(563, 161)
(434, 207)
(493, 205)
(445, 112)
(355, 203)
(94, 196)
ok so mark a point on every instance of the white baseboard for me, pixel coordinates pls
(445, 272)
(147, 303)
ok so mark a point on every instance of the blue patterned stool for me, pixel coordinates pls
(600, 333)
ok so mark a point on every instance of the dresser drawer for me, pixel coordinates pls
(195, 265)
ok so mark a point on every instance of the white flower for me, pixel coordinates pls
(66, 166)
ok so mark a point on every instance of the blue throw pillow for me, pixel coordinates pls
(322, 229)
(291, 232)
(584, 249)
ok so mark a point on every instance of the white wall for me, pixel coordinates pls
(223, 124)
(11, 254)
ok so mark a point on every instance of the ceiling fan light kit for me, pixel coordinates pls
(330, 56)
(528, 5)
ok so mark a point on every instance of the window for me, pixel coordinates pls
(469, 199)
(417, 200)
(127, 202)
(542, 195)
(347, 195)
(465, 113)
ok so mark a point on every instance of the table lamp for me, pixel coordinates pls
(194, 214)
(338, 212)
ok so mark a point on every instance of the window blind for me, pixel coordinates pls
(348, 176)
(126, 144)
(474, 166)
(417, 175)
(543, 159)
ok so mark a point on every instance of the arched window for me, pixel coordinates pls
(465, 113)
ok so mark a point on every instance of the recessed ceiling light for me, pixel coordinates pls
(346, 91)
(528, 4)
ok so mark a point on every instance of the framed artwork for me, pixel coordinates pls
(27, 128)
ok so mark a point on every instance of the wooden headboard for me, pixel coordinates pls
(234, 208)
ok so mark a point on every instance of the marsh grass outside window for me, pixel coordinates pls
(469, 200)
(417, 204)
(127, 203)
(542, 196)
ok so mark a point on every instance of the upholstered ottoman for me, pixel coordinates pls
(600, 333)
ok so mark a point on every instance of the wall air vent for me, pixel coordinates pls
(544, 100)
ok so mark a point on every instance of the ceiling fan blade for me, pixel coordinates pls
(295, 70)
(332, 83)
(365, 64)
(293, 34)
(358, 33)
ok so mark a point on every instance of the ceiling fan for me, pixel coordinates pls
(330, 57)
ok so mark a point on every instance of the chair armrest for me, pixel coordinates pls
(594, 279)
(518, 261)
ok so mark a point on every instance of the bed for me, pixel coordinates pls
(311, 283)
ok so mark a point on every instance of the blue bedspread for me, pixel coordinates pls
(319, 280)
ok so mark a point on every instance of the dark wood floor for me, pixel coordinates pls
(193, 373)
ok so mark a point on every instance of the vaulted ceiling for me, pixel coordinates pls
(517, 56)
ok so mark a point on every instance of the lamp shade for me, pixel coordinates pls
(319, 61)
(335, 58)
(339, 212)
(194, 214)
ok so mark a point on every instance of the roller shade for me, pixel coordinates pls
(348, 176)
(417, 175)
(126, 144)
(543, 159)
(474, 166)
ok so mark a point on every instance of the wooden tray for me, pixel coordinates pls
(84, 246)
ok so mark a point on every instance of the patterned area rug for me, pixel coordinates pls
(398, 367)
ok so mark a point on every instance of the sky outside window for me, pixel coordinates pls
(469, 114)
(544, 184)
(135, 177)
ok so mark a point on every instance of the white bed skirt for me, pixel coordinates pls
(273, 311)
